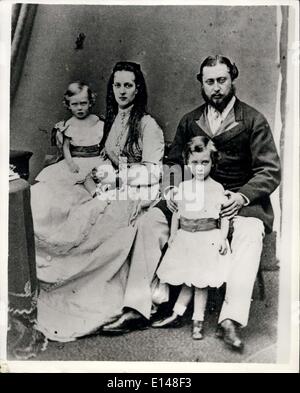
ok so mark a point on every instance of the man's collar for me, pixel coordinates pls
(238, 110)
(199, 117)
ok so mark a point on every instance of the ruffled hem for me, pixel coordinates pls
(64, 248)
(48, 322)
(53, 337)
(196, 284)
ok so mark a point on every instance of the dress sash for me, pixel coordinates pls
(85, 151)
(200, 224)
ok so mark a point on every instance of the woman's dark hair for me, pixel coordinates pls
(137, 112)
(211, 61)
(199, 144)
(76, 88)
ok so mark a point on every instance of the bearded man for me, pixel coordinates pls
(248, 169)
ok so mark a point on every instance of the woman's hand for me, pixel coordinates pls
(142, 175)
(223, 247)
(74, 168)
(105, 174)
(170, 199)
(232, 205)
(145, 203)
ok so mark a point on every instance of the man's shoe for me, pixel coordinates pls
(174, 320)
(126, 323)
(219, 332)
(230, 335)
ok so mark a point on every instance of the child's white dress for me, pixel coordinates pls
(79, 137)
(193, 258)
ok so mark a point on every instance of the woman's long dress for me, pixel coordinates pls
(82, 245)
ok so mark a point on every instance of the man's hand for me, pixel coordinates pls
(232, 206)
(170, 199)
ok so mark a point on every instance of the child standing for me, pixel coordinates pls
(80, 137)
(197, 256)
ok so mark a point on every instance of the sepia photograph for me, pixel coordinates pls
(149, 177)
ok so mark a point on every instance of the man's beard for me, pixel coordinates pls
(220, 106)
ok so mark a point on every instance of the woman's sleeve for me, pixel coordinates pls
(153, 141)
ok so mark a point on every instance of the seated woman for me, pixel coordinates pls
(82, 243)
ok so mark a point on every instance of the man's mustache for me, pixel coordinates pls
(220, 106)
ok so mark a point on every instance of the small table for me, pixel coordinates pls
(23, 340)
(20, 159)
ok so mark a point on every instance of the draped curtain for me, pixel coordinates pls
(280, 114)
(21, 28)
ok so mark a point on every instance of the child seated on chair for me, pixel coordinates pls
(80, 137)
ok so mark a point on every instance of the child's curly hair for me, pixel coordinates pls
(199, 144)
(76, 88)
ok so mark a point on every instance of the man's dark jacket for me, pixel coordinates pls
(248, 163)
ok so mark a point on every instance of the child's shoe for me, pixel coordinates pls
(197, 333)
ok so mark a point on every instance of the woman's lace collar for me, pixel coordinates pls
(125, 112)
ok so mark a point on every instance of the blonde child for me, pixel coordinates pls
(197, 257)
(80, 138)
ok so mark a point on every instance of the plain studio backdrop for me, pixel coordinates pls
(169, 42)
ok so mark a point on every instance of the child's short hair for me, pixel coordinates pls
(76, 88)
(199, 144)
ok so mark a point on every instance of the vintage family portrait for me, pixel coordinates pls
(151, 213)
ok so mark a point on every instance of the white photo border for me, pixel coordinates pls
(288, 350)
